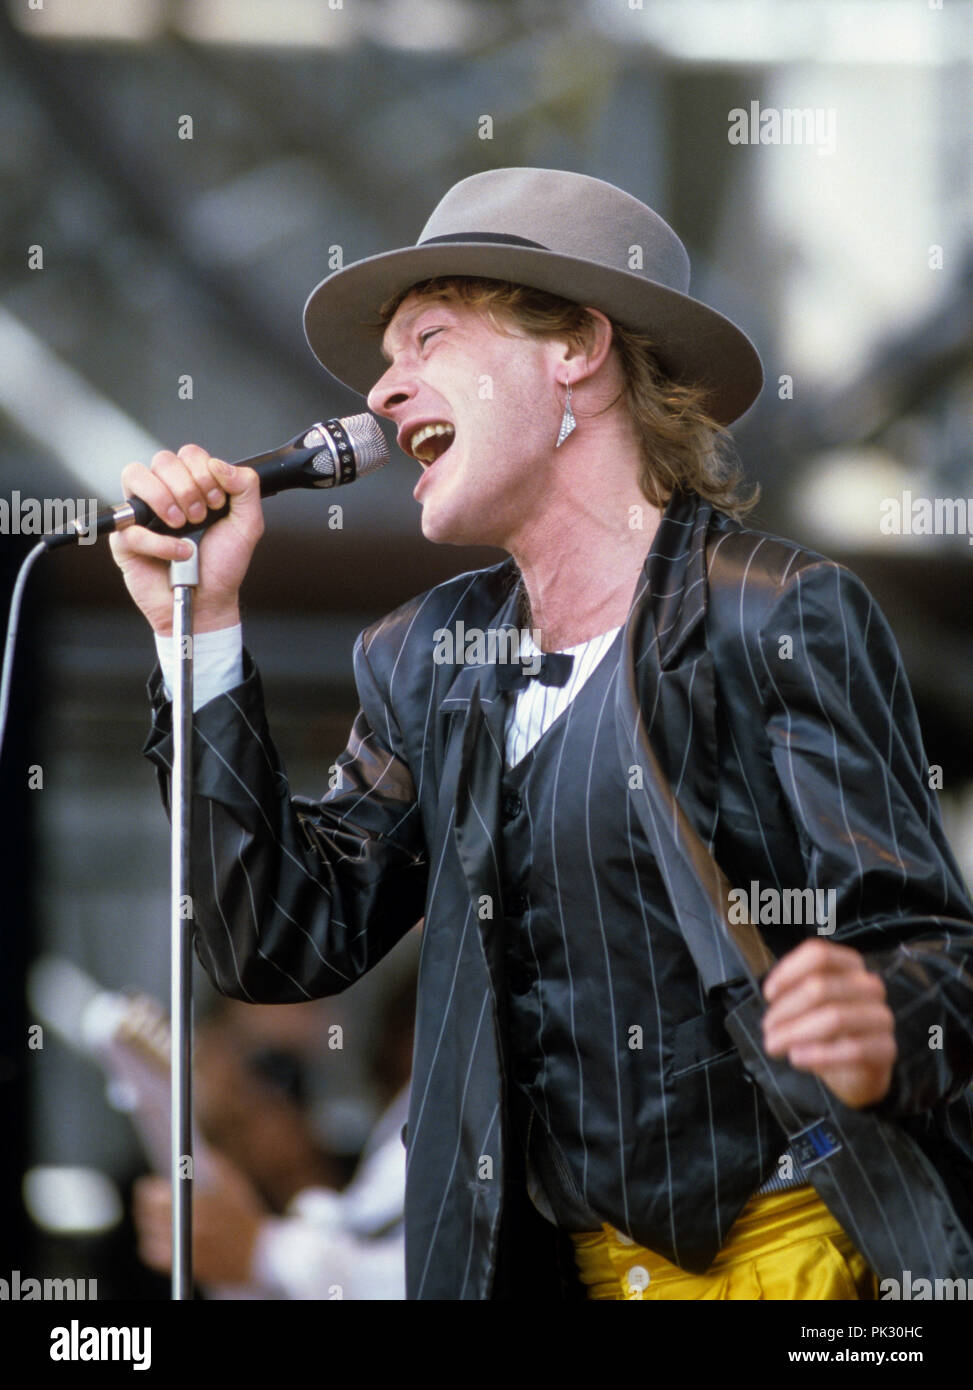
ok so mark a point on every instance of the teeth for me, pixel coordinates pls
(428, 432)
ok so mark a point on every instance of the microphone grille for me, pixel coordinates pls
(368, 442)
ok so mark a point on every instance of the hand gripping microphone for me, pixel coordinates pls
(324, 456)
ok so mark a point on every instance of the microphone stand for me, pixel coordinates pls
(183, 579)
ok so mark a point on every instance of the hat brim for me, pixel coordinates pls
(696, 345)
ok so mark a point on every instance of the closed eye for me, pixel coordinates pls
(427, 333)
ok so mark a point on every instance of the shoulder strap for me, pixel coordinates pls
(723, 951)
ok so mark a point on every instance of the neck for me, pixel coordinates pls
(580, 559)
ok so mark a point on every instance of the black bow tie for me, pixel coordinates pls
(554, 669)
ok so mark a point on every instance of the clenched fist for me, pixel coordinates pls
(181, 488)
(828, 1015)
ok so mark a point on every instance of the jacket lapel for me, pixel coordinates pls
(667, 665)
(665, 711)
(473, 770)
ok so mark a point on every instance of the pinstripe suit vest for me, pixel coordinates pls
(602, 1003)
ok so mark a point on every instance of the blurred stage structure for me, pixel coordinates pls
(168, 309)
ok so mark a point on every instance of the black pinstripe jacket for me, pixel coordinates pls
(776, 703)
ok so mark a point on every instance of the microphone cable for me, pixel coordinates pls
(13, 621)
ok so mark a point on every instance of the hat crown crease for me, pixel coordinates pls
(568, 214)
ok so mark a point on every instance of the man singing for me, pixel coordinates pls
(580, 1119)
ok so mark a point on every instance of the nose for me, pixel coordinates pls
(390, 391)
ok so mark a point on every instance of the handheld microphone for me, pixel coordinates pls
(326, 455)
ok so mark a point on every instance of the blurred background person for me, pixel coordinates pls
(326, 1244)
(276, 1142)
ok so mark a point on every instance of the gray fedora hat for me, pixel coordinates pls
(575, 236)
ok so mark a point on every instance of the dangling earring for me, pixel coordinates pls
(568, 422)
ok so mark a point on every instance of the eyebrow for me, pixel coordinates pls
(405, 323)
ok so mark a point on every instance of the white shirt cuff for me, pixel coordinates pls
(217, 663)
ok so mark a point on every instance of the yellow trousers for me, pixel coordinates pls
(784, 1245)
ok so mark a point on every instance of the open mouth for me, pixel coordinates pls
(430, 442)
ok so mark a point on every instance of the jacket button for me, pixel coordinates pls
(511, 806)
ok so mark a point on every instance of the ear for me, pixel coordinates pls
(584, 359)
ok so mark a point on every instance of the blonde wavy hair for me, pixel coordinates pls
(681, 445)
